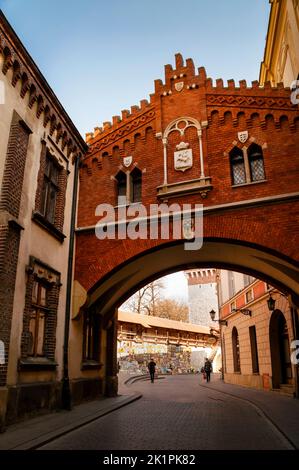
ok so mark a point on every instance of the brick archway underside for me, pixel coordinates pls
(116, 286)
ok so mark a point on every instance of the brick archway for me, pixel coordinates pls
(250, 224)
(115, 286)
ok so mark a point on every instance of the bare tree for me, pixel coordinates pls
(145, 300)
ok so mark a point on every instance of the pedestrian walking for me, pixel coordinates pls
(152, 368)
(208, 370)
(203, 373)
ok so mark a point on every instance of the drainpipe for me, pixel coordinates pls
(295, 319)
(293, 306)
(218, 287)
(66, 390)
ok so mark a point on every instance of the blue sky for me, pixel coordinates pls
(101, 57)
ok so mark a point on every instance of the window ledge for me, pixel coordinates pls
(48, 226)
(91, 365)
(37, 363)
(249, 184)
(201, 186)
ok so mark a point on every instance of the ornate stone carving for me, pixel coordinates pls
(243, 136)
(183, 159)
(127, 161)
(251, 101)
(123, 130)
(43, 272)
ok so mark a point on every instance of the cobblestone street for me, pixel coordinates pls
(177, 412)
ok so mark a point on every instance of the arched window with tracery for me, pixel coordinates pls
(121, 185)
(256, 162)
(136, 185)
(237, 166)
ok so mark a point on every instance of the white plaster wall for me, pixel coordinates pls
(202, 299)
(224, 284)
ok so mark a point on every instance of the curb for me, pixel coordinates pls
(264, 414)
(139, 378)
(34, 444)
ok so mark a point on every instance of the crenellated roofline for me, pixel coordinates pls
(230, 101)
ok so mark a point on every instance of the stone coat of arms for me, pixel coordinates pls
(243, 136)
(127, 161)
(183, 159)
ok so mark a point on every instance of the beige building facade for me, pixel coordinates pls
(281, 57)
(257, 340)
(39, 147)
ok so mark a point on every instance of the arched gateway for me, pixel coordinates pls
(234, 149)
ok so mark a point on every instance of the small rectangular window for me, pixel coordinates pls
(49, 189)
(249, 296)
(91, 336)
(254, 351)
(37, 320)
(231, 284)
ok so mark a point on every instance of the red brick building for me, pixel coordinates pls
(240, 149)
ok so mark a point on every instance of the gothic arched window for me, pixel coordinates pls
(136, 185)
(121, 182)
(256, 162)
(237, 166)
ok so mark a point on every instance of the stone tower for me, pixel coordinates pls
(202, 294)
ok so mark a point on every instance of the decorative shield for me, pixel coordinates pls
(243, 136)
(179, 86)
(127, 161)
(183, 160)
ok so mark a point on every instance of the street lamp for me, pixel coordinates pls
(213, 314)
(271, 303)
(221, 322)
(244, 311)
